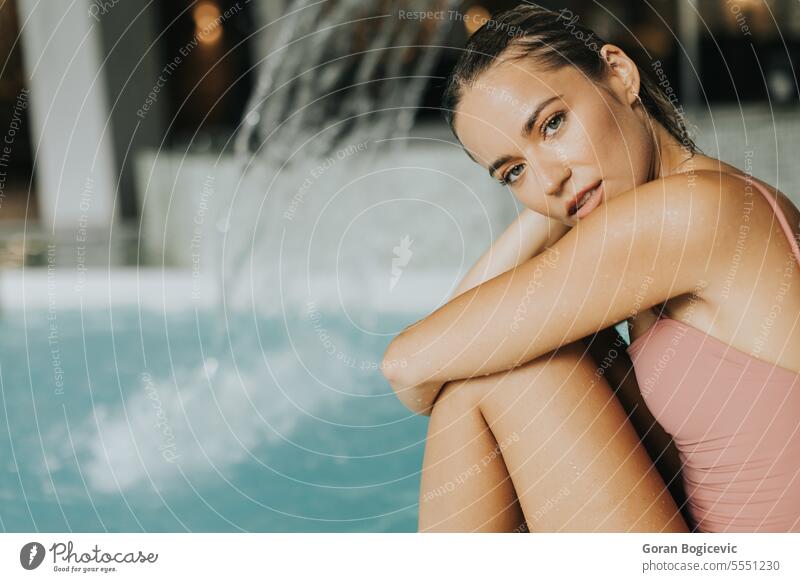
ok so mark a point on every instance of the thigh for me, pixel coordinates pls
(608, 351)
(575, 460)
(465, 485)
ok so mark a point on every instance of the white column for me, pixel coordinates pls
(689, 58)
(73, 149)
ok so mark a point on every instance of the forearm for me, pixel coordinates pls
(526, 237)
(612, 264)
(461, 339)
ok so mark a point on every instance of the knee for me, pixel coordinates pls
(540, 373)
(458, 395)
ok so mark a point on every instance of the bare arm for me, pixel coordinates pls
(526, 237)
(635, 251)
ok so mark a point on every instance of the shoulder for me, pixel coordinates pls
(723, 201)
(701, 205)
(685, 223)
(694, 206)
(701, 187)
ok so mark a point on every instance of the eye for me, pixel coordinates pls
(553, 124)
(512, 174)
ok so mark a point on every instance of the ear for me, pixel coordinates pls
(624, 74)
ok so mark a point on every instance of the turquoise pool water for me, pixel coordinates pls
(133, 421)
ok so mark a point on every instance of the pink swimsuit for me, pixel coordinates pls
(734, 418)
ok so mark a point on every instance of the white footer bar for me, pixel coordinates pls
(406, 557)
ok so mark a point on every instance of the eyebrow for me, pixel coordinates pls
(497, 163)
(526, 131)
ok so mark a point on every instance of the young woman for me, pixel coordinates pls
(701, 260)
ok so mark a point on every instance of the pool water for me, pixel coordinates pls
(124, 420)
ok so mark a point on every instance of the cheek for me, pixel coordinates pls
(528, 198)
(622, 148)
(532, 198)
(578, 148)
(592, 140)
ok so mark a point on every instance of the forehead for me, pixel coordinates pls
(493, 110)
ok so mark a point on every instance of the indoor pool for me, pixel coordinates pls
(128, 420)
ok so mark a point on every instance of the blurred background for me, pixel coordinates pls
(215, 215)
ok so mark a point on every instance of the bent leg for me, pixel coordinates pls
(608, 349)
(465, 485)
(574, 458)
(555, 428)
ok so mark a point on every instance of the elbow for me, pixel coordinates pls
(395, 366)
(397, 370)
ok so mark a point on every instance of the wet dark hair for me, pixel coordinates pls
(553, 40)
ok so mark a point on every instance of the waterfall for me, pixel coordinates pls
(340, 83)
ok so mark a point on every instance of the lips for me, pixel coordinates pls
(580, 198)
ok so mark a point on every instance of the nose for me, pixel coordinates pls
(552, 174)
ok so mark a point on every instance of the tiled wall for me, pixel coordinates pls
(346, 226)
(770, 139)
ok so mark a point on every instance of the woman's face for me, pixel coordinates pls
(586, 134)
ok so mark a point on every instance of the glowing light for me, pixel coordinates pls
(475, 17)
(208, 22)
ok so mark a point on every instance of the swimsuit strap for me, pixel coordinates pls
(778, 212)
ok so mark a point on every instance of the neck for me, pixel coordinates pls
(669, 157)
